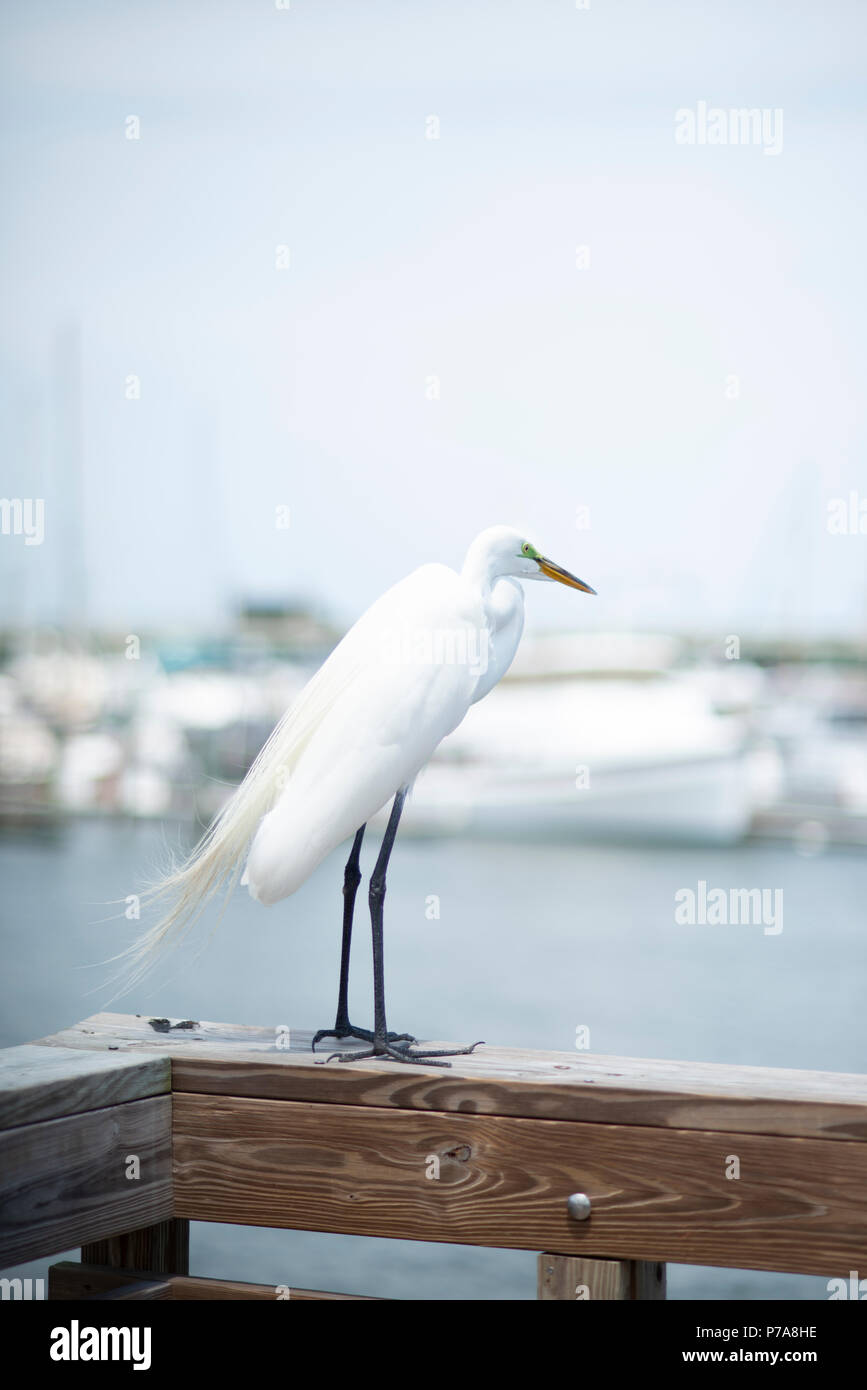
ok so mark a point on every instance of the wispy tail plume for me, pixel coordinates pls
(216, 862)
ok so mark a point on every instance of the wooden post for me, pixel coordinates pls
(110, 1265)
(160, 1249)
(573, 1277)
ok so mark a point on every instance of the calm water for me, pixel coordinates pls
(531, 942)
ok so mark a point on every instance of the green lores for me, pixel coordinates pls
(530, 551)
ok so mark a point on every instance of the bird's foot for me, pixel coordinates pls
(346, 1030)
(430, 1057)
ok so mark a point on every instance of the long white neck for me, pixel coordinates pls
(479, 567)
(503, 604)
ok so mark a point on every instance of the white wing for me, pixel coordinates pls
(405, 676)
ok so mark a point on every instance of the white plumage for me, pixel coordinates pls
(363, 727)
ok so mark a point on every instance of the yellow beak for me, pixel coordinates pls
(562, 576)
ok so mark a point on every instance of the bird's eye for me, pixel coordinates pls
(526, 547)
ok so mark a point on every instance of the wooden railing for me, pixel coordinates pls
(118, 1132)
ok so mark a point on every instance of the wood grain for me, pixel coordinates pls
(63, 1182)
(564, 1277)
(139, 1291)
(69, 1280)
(190, 1289)
(231, 1059)
(40, 1083)
(161, 1249)
(800, 1205)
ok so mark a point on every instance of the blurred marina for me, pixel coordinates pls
(637, 737)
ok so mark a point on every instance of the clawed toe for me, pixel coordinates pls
(363, 1035)
(403, 1054)
(397, 1054)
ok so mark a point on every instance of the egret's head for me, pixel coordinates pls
(503, 551)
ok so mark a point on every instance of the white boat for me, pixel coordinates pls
(601, 754)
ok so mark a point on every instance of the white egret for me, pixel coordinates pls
(358, 734)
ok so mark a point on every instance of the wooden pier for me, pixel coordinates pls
(118, 1132)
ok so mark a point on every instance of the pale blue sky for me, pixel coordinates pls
(560, 387)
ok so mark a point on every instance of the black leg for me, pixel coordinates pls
(383, 1041)
(342, 1027)
(351, 880)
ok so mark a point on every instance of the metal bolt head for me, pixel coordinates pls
(578, 1206)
